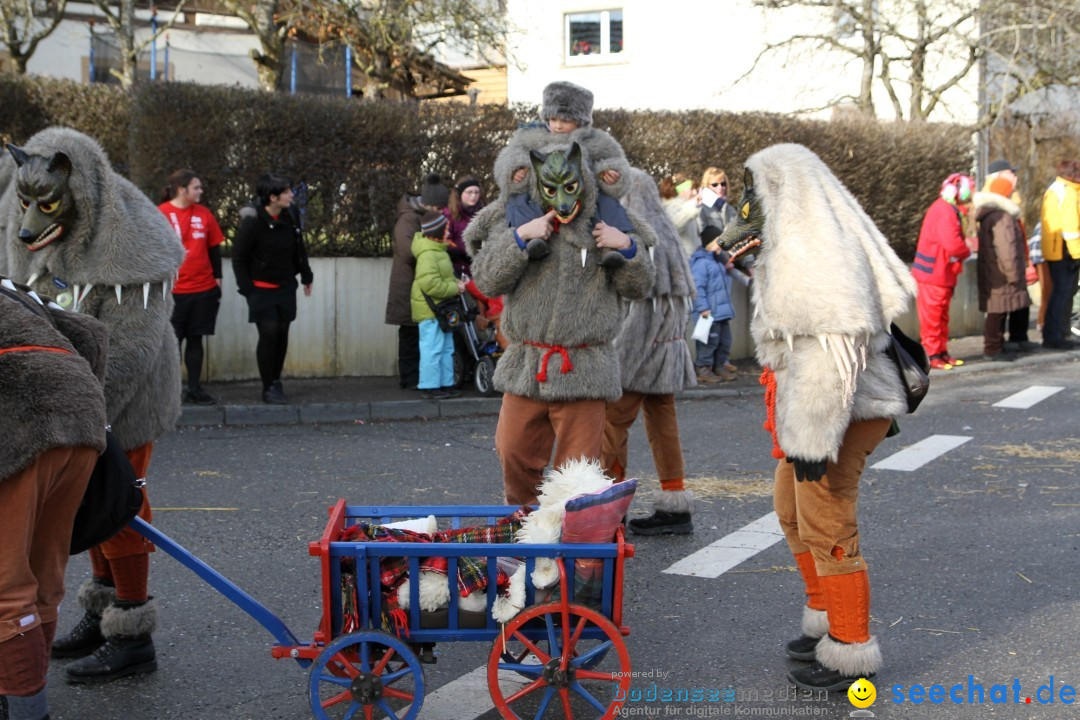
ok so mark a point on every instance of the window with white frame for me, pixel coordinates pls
(593, 36)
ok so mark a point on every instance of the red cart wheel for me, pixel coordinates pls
(573, 657)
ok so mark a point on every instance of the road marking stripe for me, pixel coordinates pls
(922, 452)
(1027, 398)
(468, 696)
(717, 558)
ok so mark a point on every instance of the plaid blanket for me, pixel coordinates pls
(393, 571)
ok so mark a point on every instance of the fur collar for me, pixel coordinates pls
(992, 200)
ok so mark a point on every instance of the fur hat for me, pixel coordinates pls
(433, 193)
(433, 224)
(567, 100)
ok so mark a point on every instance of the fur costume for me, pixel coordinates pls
(48, 399)
(654, 356)
(565, 300)
(825, 344)
(115, 262)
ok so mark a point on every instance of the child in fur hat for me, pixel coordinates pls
(567, 114)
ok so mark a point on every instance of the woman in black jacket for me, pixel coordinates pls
(268, 252)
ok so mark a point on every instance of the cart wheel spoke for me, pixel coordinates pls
(393, 677)
(576, 687)
(531, 687)
(544, 702)
(564, 695)
(592, 675)
(335, 680)
(569, 649)
(339, 698)
(353, 709)
(385, 707)
(391, 692)
(597, 651)
(553, 643)
(369, 714)
(543, 657)
(365, 661)
(532, 670)
(382, 663)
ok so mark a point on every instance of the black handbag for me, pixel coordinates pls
(113, 498)
(449, 313)
(912, 364)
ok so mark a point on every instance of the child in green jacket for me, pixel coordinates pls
(433, 283)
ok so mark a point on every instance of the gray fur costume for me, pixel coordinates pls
(119, 258)
(827, 286)
(48, 399)
(566, 299)
(654, 356)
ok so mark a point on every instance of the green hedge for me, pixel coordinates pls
(358, 157)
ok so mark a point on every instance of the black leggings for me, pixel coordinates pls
(193, 359)
(270, 352)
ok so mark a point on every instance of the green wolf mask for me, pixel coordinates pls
(558, 179)
(48, 205)
(746, 234)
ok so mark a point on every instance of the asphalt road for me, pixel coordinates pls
(974, 559)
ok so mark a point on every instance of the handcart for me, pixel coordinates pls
(556, 658)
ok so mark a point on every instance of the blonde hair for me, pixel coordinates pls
(712, 174)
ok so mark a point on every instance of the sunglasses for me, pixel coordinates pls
(718, 184)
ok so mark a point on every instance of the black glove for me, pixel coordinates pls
(809, 470)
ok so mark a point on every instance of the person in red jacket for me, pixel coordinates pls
(197, 293)
(939, 260)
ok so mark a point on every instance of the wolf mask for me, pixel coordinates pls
(559, 182)
(745, 235)
(49, 208)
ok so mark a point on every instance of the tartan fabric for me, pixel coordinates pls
(472, 571)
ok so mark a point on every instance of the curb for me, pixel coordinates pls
(390, 410)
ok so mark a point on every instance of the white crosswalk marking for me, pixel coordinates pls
(1027, 398)
(717, 558)
(468, 696)
(922, 452)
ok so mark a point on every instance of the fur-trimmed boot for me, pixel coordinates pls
(671, 515)
(128, 648)
(815, 620)
(848, 652)
(93, 596)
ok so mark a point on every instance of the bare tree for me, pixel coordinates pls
(24, 24)
(269, 20)
(121, 18)
(393, 40)
(1021, 45)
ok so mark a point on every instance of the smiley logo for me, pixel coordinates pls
(862, 693)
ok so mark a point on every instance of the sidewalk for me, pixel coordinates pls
(367, 399)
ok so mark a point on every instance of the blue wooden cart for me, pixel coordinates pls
(556, 658)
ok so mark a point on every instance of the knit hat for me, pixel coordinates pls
(710, 233)
(567, 100)
(433, 224)
(999, 165)
(433, 193)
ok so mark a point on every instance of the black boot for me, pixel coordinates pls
(94, 596)
(663, 523)
(128, 648)
(838, 665)
(537, 249)
(817, 677)
(803, 648)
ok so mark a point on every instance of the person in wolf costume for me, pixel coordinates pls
(655, 363)
(561, 314)
(831, 392)
(52, 417)
(77, 227)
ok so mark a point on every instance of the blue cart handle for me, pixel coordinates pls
(273, 624)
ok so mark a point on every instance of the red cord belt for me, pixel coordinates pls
(567, 366)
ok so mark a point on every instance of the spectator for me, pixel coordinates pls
(1061, 251)
(939, 260)
(715, 211)
(713, 300)
(466, 199)
(53, 407)
(268, 253)
(433, 196)
(1042, 276)
(1001, 261)
(197, 292)
(434, 282)
(682, 205)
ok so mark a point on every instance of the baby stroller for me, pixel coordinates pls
(475, 351)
